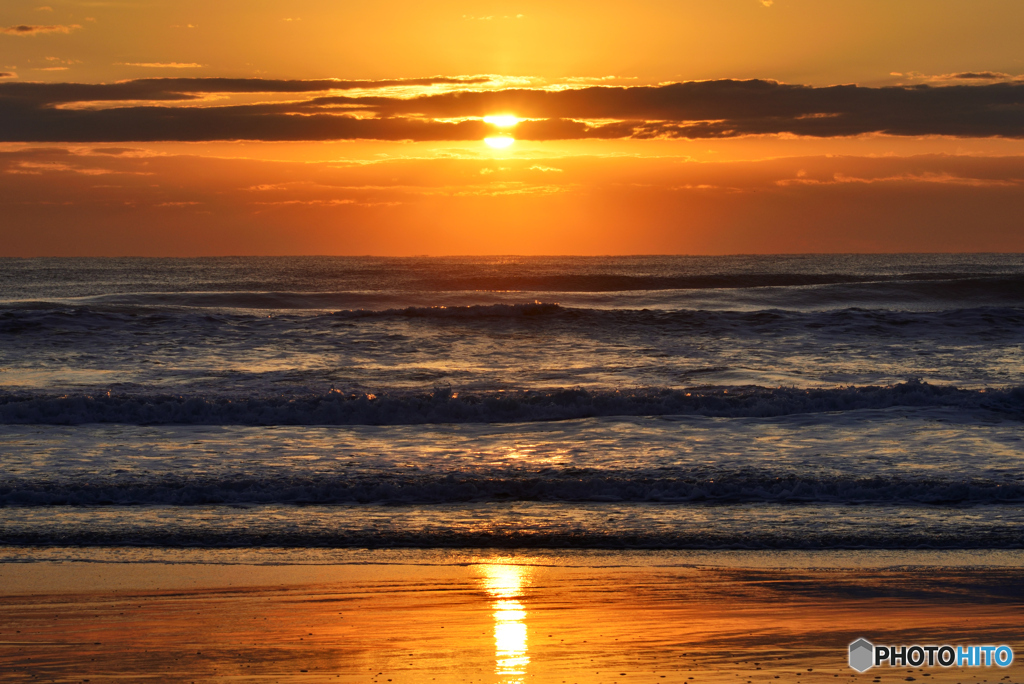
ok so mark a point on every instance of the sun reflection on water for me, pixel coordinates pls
(505, 585)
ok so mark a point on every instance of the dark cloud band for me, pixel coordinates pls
(169, 89)
(31, 112)
(730, 108)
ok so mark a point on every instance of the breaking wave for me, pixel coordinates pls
(756, 526)
(987, 320)
(938, 283)
(930, 291)
(444, 405)
(571, 485)
(473, 311)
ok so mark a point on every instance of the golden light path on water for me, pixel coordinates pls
(505, 583)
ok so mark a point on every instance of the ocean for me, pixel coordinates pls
(815, 402)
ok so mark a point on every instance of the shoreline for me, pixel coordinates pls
(477, 615)
(778, 559)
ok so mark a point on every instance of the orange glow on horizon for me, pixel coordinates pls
(542, 130)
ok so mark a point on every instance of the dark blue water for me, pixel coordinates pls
(663, 402)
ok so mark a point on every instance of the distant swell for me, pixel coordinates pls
(609, 282)
(474, 311)
(559, 486)
(883, 537)
(727, 291)
(446, 406)
(711, 540)
(987, 321)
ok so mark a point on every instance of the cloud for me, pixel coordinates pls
(767, 3)
(58, 60)
(963, 76)
(32, 30)
(270, 186)
(41, 95)
(944, 178)
(119, 152)
(983, 75)
(37, 168)
(700, 109)
(728, 108)
(161, 65)
(8, 74)
(44, 9)
(309, 203)
(219, 123)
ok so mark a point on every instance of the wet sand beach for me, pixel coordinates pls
(504, 618)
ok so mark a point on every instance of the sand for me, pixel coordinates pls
(509, 618)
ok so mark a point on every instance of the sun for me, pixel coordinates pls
(502, 120)
(502, 140)
(499, 142)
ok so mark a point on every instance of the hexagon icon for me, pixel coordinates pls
(862, 654)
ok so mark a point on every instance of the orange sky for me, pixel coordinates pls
(649, 127)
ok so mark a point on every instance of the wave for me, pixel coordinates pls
(986, 320)
(467, 312)
(513, 539)
(611, 282)
(444, 405)
(758, 526)
(46, 318)
(571, 485)
(723, 292)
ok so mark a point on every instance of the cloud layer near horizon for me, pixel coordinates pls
(46, 112)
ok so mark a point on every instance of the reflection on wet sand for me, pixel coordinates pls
(504, 584)
(489, 621)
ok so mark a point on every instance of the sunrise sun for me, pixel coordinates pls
(500, 141)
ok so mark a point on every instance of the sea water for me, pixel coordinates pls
(769, 402)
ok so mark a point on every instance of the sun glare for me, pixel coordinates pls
(499, 142)
(501, 120)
